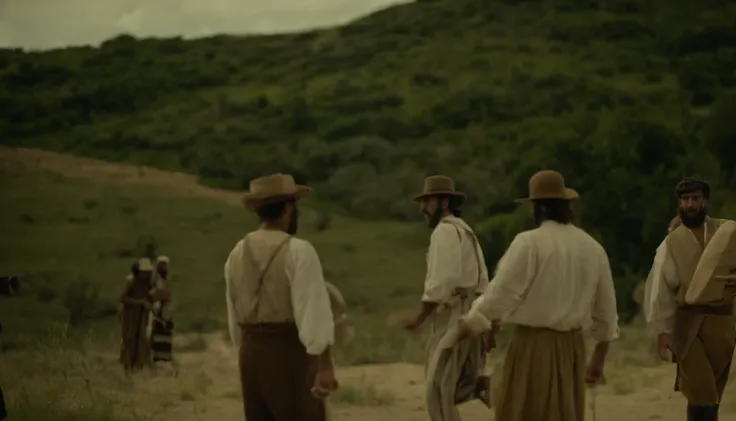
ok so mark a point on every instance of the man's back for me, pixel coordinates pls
(568, 265)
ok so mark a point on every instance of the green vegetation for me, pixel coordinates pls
(73, 241)
(623, 97)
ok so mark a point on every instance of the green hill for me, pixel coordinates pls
(623, 98)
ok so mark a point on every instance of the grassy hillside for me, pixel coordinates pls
(624, 97)
(73, 240)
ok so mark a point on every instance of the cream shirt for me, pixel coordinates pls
(452, 263)
(312, 311)
(557, 277)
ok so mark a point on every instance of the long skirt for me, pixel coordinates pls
(543, 376)
(134, 347)
(161, 340)
(277, 374)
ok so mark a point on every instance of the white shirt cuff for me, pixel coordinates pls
(477, 322)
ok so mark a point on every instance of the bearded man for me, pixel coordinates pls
(278, 304)
(456, 275)
(553, 283)
(699, 338)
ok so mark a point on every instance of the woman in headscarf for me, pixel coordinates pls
(162, 329)
(134, 349)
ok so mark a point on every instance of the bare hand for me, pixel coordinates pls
(324, 383)
(664, 347)
(463, 330)
(411, 322)
(594, 371)
(489, 340)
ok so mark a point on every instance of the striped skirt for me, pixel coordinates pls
(161, 340)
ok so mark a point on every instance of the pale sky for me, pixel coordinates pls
(45, 24)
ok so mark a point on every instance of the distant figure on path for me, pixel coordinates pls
(134, 349)
(699, 338)
(162, 325)
(456, 275)
(553, 283)
(279, 310)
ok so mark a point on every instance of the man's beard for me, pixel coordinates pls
(293, 223)
(163, 273)
(692, 220)
(435, 218)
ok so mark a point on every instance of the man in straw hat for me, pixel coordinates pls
(552, 283)
(456, 275)
(695, 331)
(278, 305)
(134, 349)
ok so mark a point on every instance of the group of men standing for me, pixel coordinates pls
(146, 316)
(553, 284)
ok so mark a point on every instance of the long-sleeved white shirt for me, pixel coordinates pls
(556, 276)
(312, 310)
(659, 292)
(452, 262)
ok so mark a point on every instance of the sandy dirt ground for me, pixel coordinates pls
(207, 387)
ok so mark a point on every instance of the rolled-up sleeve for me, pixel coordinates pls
(504, 293)
(233, 271)
(444, 264)
(604, 313)
(659, 294)
(311, 302)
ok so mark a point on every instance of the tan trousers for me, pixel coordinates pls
(543, 376)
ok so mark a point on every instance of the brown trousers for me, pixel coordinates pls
(543, 376)
(703, 347)
(276, 375)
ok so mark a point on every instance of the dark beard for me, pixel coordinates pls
(436, 216)
(692, 221)
(163, 273)
(293, 223)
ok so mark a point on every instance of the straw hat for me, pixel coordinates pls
(272, 189)
(436, 185)
(548, 184)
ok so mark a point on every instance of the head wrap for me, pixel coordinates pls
(692, 184)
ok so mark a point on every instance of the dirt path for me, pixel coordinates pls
(207, 387)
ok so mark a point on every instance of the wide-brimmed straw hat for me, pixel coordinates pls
(144, 265)
(438, 185)
(548, 184)
(272, 189)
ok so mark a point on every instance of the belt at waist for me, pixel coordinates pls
(722, 310)
(547, 329)
(269, 329)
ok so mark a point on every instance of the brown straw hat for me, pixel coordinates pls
(438, 185)
(272, 189)
(548, 184)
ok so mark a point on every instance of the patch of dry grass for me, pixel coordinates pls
(362, 393)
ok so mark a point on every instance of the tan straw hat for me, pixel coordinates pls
(548, 184)
(437, 185)
(273, 188)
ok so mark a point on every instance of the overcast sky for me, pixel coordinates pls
(44, 24)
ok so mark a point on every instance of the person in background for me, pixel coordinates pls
(162, 324)
(136, 301)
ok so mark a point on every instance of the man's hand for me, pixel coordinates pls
(324, 382)
(412, 322)
(664, 347)
(489, 340)
(594, 371)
